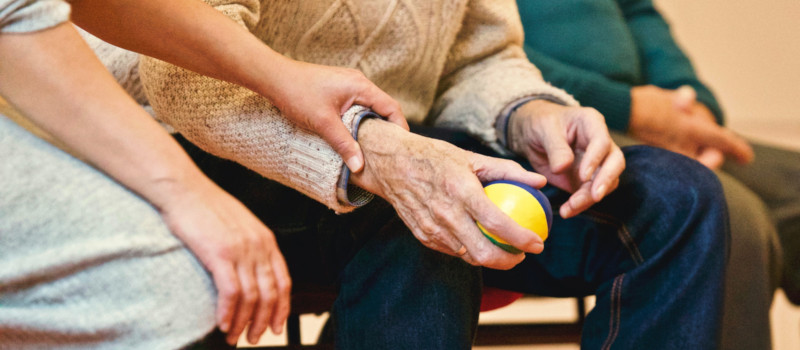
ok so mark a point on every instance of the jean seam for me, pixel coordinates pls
(616, 310)
(622, 233)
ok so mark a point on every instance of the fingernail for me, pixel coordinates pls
(224, 327)
(354, 164)
(600, 192)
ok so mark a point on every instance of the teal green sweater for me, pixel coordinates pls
(597, 50)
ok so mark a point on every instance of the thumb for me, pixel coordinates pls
(343, 143)
(684, 98)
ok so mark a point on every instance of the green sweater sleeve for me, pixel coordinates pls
(609, 97)
(663, 63)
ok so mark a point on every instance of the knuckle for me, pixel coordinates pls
(428, 227)
(270, 298)
(230, 291)
(481, 257)
(250, 296)
(285, 288)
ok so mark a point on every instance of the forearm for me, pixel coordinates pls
(190, 34)
(53, 78)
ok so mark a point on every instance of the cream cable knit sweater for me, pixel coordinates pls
(454, 63)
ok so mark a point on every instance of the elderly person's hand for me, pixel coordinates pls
(571, 147)
(436, 189)
(674, 120)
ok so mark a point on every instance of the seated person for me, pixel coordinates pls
(620, 58)
(409, 266)
(134, 248)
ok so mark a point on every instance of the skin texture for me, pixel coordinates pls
(203, 40)
(571, 147)
(674, 120)
(436, 187)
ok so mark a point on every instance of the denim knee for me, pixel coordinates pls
(683, 191)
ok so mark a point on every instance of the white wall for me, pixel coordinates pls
(748, 51)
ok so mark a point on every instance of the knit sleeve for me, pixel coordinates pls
(235, 123)
(21, 16)
(487, 70)
(663, 62)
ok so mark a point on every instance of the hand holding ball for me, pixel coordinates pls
(528, 206)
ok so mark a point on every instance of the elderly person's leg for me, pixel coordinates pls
(773, 177)
(753, 267)
(653, 252)
(86, 264)
(393, 292)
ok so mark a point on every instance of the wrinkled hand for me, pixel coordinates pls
(315, 97)
(571, 147)
(436, 189)
(674, 120)
(241, 254)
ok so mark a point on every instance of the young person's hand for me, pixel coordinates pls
(571, 147)
(315, 97)
(205, 41)
(252, 280)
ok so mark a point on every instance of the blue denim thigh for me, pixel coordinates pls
(653, 252)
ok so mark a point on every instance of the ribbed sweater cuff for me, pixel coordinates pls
(347, 194)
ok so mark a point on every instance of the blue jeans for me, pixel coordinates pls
(653, 252)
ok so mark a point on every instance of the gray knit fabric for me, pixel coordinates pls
(86, 264)
(20, 16)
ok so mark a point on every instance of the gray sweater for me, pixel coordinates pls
(85, 263)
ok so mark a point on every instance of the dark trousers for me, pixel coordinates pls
(653, 252)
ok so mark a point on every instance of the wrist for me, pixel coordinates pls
(382, 143)
(166, 186)
(516, 134)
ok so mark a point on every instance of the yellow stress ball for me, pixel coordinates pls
(528, 206)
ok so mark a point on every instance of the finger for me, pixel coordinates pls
(494, 220)
(247, 302)
(228, 292)
(609, 172)
(339, 138)
(714, 136)
(489, 169)
(596, 153)
(577, 202)
(684, 98)
(509, 260)
(284, 292)
(436, 236)
(559, 153)
(380, 102)
(712, 158)
(264, 307)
